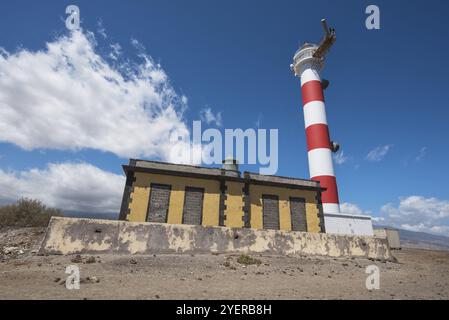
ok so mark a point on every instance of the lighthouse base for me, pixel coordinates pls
(348, 224)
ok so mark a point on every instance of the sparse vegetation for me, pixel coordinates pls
(27, 213)
(247, 260)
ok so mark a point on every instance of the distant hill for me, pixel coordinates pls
(422, 240)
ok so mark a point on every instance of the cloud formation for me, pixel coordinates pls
(209, 117)
(414, 213)
(422, 153)
(417, 213)
(340, 158)
(68, 186)
(68, 97)
(378, 153)
(352, 208)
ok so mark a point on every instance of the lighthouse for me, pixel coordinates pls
(308, 62)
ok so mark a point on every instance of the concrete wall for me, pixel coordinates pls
(347, 224)
(392, 236)
(70, 236)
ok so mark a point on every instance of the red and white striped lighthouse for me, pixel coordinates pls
(307, 65)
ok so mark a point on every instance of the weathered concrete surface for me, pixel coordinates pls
(69, 236)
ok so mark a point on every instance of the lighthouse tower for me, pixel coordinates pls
(308, 61)
(307, 64)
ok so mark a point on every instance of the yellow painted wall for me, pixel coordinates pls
(141, 192)
(234, 204)
(257, 191)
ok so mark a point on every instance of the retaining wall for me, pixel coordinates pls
(90, 236)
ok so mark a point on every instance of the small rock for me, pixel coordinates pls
(77, 259)
(8, 250)
(91, 279)
(200, 279)
(95, 279)
(57, 280)
(157, 296)
(132, 261)
(91, 260)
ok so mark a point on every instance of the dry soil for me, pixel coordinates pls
(418, 274)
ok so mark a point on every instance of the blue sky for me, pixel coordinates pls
(388, 94)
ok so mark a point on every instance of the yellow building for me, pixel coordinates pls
(183, 194)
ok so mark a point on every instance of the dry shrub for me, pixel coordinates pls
(27, 213)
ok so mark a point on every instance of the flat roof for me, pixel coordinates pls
(136, 165)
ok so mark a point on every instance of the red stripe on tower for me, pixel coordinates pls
(312, 91)
(317, 136)
(331, 193)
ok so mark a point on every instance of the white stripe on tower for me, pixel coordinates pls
(317, 133)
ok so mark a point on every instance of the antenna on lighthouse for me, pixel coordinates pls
(327, 42)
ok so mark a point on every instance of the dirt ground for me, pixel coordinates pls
(418, 274)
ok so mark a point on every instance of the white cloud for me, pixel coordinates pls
(116, 51)
(421, 154)
(378, 153)
(340, 158)
(101, 29)
(352, 208)
(209, 117)
(67, 97)
(68, 186)
(414, 213)
(417, 213)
